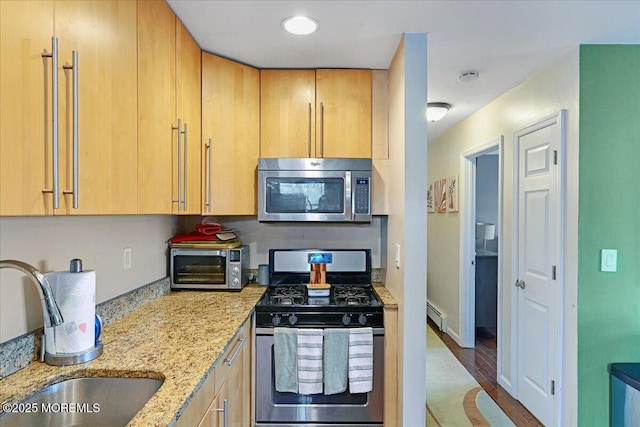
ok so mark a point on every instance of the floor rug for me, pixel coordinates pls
(454, 398)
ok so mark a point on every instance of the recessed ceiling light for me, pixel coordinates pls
(300, 25)
(437, 110)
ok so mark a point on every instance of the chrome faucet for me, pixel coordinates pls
(51, 312)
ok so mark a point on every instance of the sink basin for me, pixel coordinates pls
(88, 401)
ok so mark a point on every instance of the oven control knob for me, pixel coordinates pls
(346, 319)
(235, 282)
(293, 319)
(276, 320)
(235, 271)
(362, 319)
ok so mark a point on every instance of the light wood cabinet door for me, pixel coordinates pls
(343, 113)
(26, 29)
(236, 392)
(315, 113)
(236, 403)
(380, 141)
(287, 113)
(188, 93)
(230, 136)
(104, 36)
(157, 139)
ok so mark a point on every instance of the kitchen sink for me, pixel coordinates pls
(87, 401)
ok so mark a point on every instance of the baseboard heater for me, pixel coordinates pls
(438, 317)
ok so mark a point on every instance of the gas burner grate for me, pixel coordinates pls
(352, 296)
(287, 295)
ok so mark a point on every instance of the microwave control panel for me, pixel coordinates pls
(362, 196)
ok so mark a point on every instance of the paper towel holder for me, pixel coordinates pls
(66, 359)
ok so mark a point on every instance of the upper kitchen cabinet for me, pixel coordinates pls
(287, 113)
(67, 107)
(189, 110)
(230, 136)
(26, 29)
(157, 136)
(103, 163)
(343, 113)
(315, 113)
(168, 113)
(380, 141)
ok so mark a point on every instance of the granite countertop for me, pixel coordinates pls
(388, 301)
(178, 337)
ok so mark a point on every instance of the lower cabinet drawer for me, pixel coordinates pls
(205, 409)
(199, 405)
(223, 367)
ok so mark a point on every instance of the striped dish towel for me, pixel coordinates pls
(360, 360)
(310, 361)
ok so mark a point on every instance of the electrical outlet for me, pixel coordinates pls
(126, 258)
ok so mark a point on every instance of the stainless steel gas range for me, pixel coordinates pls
(351, 303)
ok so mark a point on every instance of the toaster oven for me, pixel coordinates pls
(207, 269)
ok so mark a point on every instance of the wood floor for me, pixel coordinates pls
(481, 364)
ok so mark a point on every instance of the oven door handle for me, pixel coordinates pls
(269, 331)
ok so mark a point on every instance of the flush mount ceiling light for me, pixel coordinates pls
(468, 76)
(437, 110)
(300, 25)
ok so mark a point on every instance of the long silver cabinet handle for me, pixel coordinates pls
(225, 412)
(232, 359)
(74, 68)
(349, 202)
(179, 131)
(186, 164)
(309, 132)
(322, 129)
(210, 177)
(54, 112)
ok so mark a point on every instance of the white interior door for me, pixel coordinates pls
(539, 263)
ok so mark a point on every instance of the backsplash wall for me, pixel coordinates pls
(48, 243)
(264, 236)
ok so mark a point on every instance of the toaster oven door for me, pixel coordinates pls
(193, 269)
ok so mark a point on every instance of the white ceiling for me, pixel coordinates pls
(505, 41)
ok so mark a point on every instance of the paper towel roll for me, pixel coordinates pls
(75, 294)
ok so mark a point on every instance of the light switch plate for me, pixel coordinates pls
(609, 260)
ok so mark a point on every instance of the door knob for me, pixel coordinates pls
(520, 284)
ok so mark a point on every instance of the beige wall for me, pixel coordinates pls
(286, 235)
(49, 243)
(546, 93)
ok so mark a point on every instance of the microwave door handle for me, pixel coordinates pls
(348, 196)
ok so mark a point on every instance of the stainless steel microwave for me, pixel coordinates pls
(193, 268)
(314, 189)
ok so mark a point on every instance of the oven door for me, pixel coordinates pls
(275, 409)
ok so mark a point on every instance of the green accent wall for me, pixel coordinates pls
(609, 218)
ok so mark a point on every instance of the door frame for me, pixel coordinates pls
(558, 333)
(467, 307)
